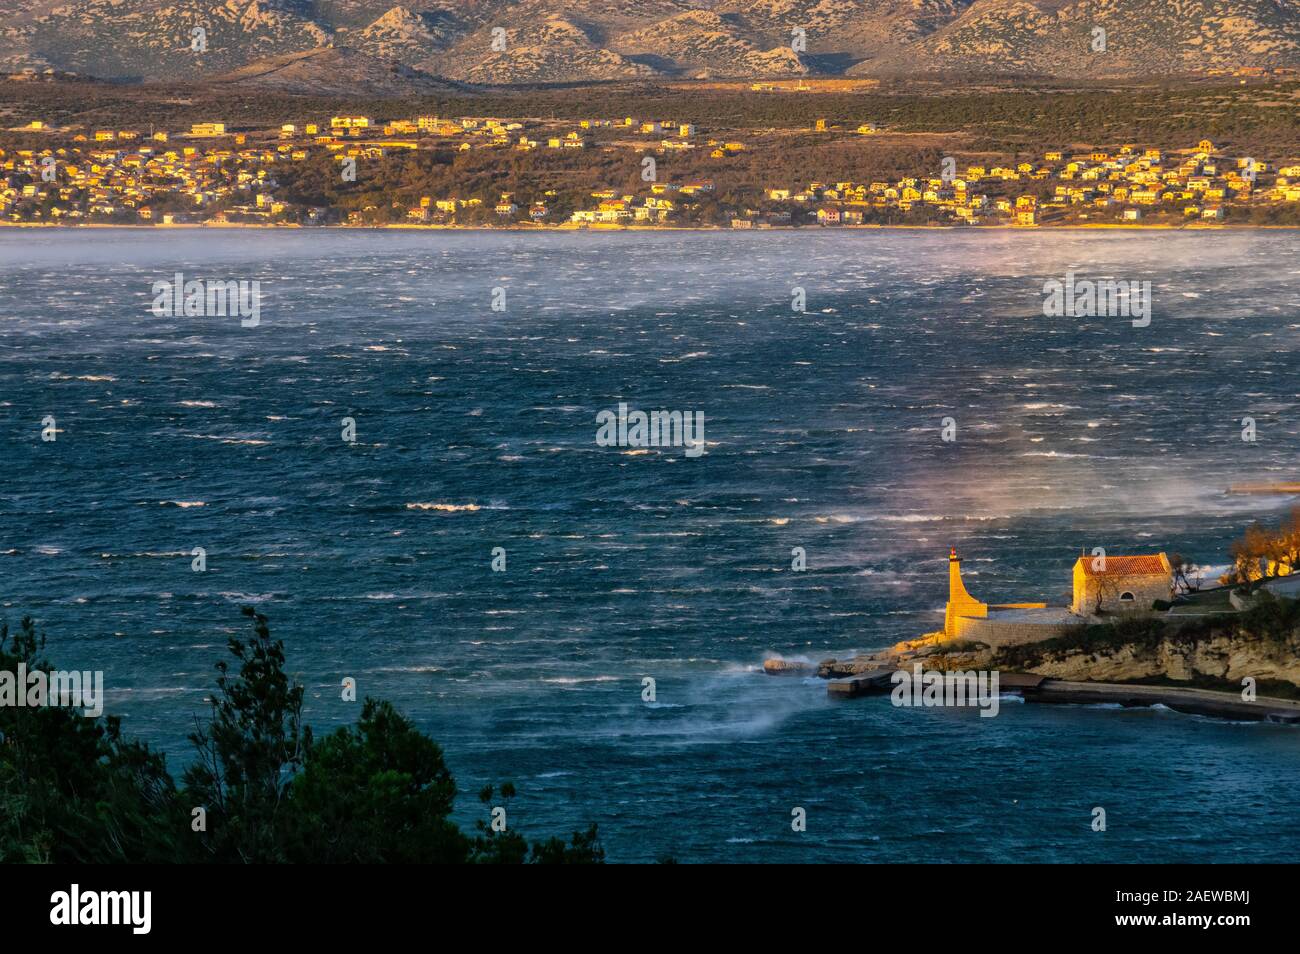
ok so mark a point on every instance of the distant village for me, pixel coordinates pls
(213, 175)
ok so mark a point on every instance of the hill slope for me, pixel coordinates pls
(565, 41)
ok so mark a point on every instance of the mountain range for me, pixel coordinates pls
(376, 46)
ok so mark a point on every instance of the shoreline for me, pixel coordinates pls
(873, 675)
(1098, 226)
(1189, 700)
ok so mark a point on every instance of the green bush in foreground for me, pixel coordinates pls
(74, 790)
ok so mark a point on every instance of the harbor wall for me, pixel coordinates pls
(1004, 632)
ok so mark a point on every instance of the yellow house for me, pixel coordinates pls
(1120, 584)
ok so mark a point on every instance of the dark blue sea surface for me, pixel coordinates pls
(822, 430)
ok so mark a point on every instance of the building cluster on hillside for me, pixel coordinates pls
(126, 175)
(212, 174)
(1198, 183)
(215, 175)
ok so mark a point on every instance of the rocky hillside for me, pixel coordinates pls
(1263, 643)
(1104, 38)
(132, 39)
(554, 49)
(857, 28)
(549, 41)
(415, 39)
(704, 43)
(332, 71)
(1213, 651)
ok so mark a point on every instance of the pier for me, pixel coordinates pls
(1035, 688)
(874, 682)
(1284, 487)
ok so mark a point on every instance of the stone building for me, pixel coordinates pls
(1113, 586)
(1120, 584)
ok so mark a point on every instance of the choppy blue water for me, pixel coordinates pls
(823, 432)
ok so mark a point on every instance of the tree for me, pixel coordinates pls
(1288, 544)
(1262, 553)
(249, 751)
(72, 789)
(583, 849)
(1106, 590)
(1185, 572)
(1247, 554)
(495, 847)
(379, 792)
(510, 847)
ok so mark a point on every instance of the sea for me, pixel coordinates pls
(589, 621)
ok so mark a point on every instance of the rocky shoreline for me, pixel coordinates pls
(1215, 665)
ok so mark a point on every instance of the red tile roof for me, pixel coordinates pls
(1146, 565)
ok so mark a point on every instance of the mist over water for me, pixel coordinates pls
(476, 429)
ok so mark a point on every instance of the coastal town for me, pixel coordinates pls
(325, 171)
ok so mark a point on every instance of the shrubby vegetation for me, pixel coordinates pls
(1002, 115)
(75, 789)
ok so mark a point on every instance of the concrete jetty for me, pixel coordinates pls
(1206, 702)
(1280, 487)
(1035, 688)
(872, 682)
